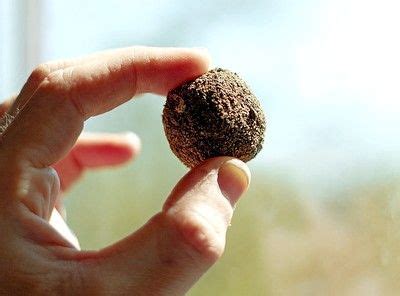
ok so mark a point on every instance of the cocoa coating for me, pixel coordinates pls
(213, 115)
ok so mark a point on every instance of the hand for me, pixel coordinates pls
(164, 257)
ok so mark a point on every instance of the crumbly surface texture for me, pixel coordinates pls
(213, 115)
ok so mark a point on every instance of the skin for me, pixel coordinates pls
(166, 256)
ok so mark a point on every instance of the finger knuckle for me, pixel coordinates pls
(57, 86)
(53, 84)
(199, 236)
(39, 73)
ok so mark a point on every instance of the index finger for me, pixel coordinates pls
(51, 121)
(44, 70)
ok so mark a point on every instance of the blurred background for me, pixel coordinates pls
(322, 216)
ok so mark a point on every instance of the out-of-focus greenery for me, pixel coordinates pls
(281, 242)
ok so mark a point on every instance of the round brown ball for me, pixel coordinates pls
(213, 115)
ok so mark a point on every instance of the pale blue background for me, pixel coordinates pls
(327, 72)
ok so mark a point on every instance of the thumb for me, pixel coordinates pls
(172, 251)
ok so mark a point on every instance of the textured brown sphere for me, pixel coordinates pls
(213, 115)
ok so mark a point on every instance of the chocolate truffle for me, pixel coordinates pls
(213, 115)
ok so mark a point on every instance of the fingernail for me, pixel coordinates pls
(233, 179)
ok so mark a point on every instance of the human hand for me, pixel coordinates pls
(164, 257)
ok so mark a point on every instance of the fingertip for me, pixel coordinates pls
(190, 63)
(225, 177)
(169, 67)
(134, 144)
(203, 56)
(199, 57)
(123, 148)
(102, 149)
(233, 179)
